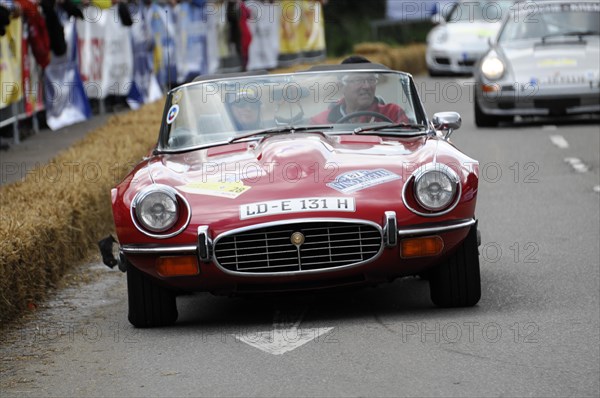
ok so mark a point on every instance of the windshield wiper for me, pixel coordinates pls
(580, 34)
(279, 130)
(408, 126)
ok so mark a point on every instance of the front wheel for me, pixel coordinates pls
(457, 283)
(150, 305)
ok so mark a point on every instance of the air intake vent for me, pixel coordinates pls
(301, 246)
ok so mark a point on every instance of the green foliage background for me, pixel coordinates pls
(348, 22)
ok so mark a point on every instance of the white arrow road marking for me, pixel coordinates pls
(578, 165)
(559, 141)
(597, 188)
(284, 337)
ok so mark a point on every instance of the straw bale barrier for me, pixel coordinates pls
(54, 217)
(410, 58)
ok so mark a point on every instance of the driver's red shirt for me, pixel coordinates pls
(392, 111)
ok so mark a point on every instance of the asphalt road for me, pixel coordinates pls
(535, 331)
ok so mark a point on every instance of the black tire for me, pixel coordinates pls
(457, 283)
(150, 305)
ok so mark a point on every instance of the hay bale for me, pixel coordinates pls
(371, 48)
(409, 59)
(53, 218)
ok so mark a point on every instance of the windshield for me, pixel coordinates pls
(334, 102)
(552, 20)
(485, 11)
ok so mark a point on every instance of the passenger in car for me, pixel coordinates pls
(245, 110)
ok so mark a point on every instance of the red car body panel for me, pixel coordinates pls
(287, 166)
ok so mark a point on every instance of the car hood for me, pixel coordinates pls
(569, 62)
(216, 181)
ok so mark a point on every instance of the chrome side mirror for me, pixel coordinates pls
(447, 121)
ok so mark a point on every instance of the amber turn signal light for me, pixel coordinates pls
(490, 88)
(421, 247)
(177, 266)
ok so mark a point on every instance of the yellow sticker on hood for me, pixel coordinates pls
(222, 189)
(554, 62)
(481, 32)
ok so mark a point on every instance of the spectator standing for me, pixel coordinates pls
(239, 32)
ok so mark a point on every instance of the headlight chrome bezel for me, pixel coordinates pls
(183, 211)
(421, 208)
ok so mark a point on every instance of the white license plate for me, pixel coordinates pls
(296, 205)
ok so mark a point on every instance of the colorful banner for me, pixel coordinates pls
(222, 30)
(105, 56)
(145, 87)
(190, 42)
(290, 24)
(264, 25)
(32, 84)
(212, 38)
(11, 89)
(162, 24)
(65, 98)
(312, 38)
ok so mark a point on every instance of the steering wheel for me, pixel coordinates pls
(364, 113)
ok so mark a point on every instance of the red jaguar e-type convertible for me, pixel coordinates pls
(329, 177)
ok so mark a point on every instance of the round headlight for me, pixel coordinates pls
(492, 68)
(435, 189)
(156, 209)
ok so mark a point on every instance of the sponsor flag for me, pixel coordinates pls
(264, 24)
(144, 88)
(10, 64)
(65, 97)
(190, 42)
(105, 55)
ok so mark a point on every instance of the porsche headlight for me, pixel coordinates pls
(156, 208)
(492, 68)
(435, 188)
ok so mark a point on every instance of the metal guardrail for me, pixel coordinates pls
(13, 114)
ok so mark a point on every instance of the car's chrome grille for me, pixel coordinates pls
(326, 245)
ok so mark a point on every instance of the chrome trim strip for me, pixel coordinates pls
(165, 188)
(437, 229)
(298, 221)
(204, 243)
(418, 173)
(146, 249)
(390, 229)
